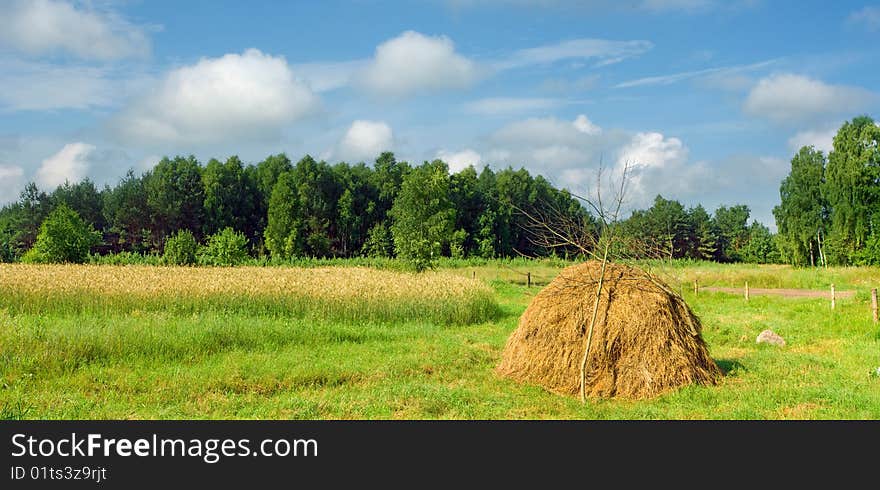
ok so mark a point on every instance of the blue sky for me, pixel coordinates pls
(708, 99)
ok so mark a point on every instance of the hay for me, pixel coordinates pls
(646, 339)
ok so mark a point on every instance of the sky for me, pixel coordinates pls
(706, 100)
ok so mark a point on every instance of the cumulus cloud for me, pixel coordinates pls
(70, 163)
(38, 27)
(246, 96)
(459, 161)
(583, 124)
(791, 98)
(365, 140)
(413, 63)
(11, 183)
(549, 138)
(569, 154)
(653, 150)
(819, 139)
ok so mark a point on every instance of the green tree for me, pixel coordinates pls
(282, 235)
(423, 215)
(760, 246)
(82, 197)
(64, 238)
(227, 248)
(127, 213)
(703, 239)
(175, 196)
(32, 209)
(379, 242)
(801, 217)
(231, 199)
(181, 248)
(732, 232)
(851, 187)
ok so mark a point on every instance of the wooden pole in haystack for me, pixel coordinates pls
(529, 278)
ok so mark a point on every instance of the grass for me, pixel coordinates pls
(167, 361)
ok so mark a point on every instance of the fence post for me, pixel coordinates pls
(696, 287)
(475, 274)
(833, 298)
(529, 278)
(747, 290)
(874, 304)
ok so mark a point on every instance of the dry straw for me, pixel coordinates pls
(646, 341)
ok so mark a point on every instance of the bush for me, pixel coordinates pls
(226, 248)
(181, 249)
(64, 238)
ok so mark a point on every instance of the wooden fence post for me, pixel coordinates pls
(833, 298)
(529, 278)
(475, 274)
(747, 290)
(696, 287)
(874, 304)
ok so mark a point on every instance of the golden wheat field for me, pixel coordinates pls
(331, 292)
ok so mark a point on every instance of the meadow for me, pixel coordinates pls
(364, 341)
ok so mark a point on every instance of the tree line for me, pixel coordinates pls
(306, 209)
(829, 211)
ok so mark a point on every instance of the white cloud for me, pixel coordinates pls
(718, 74)
(414, 63)
(509, 105)
(603, 50)
(868, 17)
(11, 183)
(583, 124)
(791, 98)
(70, 163)
(365, 140)
(553, 143)
(327, 76)
(244, 96)
(44, 86)
(819, 139)
(653, 150)
(39, 27)
(458, 161)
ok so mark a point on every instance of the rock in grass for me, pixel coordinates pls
(770, 337)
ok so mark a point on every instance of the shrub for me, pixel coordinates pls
(226, 248)
(181, 249)
(64, 238)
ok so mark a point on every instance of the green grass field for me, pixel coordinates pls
(175, 360)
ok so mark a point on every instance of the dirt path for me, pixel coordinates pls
(788, 293)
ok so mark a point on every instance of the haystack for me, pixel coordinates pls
(646, 339)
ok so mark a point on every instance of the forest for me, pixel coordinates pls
(829, 209)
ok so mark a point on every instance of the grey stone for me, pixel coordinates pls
(770, 337)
